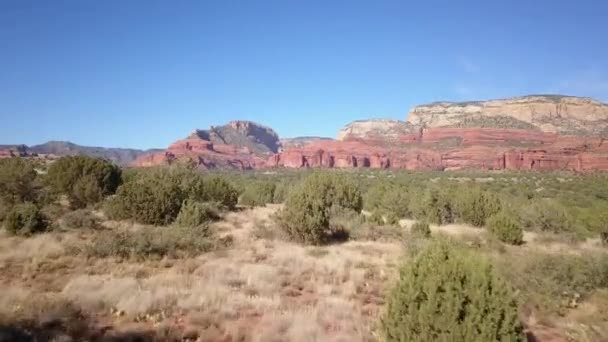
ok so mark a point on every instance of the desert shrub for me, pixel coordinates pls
(334, 190)
(211, 189)
(17, 181)
(505, 229)
(375, 218)
(448, 294)
(258, 193)
(148, 199)
(307, 212)
(81, 218)
(434, 206)
(547, 215)
(557, 282)
(421, 228)
(305, 217)
(389, 198)
(154, 242)
(281, 192)
(25, 219)
(85, 180)
(156, 196)
(475, 206)
(194, 214)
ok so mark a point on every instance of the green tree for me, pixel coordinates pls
(475, 206)
(25, 219)
(447, 294)
(85, 180)
(506, 229)
(17, 181)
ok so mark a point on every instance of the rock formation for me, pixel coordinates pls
(297, 142)
(539, 132)
(566, 115)
(238, 145)
(524, 133)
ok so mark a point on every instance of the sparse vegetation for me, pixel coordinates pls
(155, 274)
(154, 242)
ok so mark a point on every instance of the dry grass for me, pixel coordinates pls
(260, 289)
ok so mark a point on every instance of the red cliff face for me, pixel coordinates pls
(203, 154)
(456, 148)
(425, 149)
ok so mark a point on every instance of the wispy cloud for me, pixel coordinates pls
(468, 65)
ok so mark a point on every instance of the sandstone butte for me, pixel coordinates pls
(539, 132)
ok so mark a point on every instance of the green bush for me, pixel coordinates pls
(17, 181)
(258, 194)
(154, 242)
(448, 294)
(81, 218)
(421, 228)
(547, 215)
(307, 212)
(210, 189)
(334, 190)
(194, 214)
(434, 206)
(149, 199)
(389, 198)
(25, 219)
(475, 206)
(305, 217)
(505, 229)
(156, 196)
(375, 218)
(281, 191)
(557, 282)
(85, 180)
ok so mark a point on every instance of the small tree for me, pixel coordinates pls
(195, 214)
(305, 217)
(421, 229)
(258, 194)
(447, 294)
(505, 229)
(85, 180)
(25, 219)
(475, 206)
(149, 199)
(17, 181)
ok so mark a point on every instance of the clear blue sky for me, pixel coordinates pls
(145, 73)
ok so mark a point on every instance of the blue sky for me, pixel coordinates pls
(145, 73)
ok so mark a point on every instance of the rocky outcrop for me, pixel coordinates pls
(376, 129)
(455, 149)
(525, 133)
(298, 142)
(566, 115)
(249, 135)
(239, 145)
